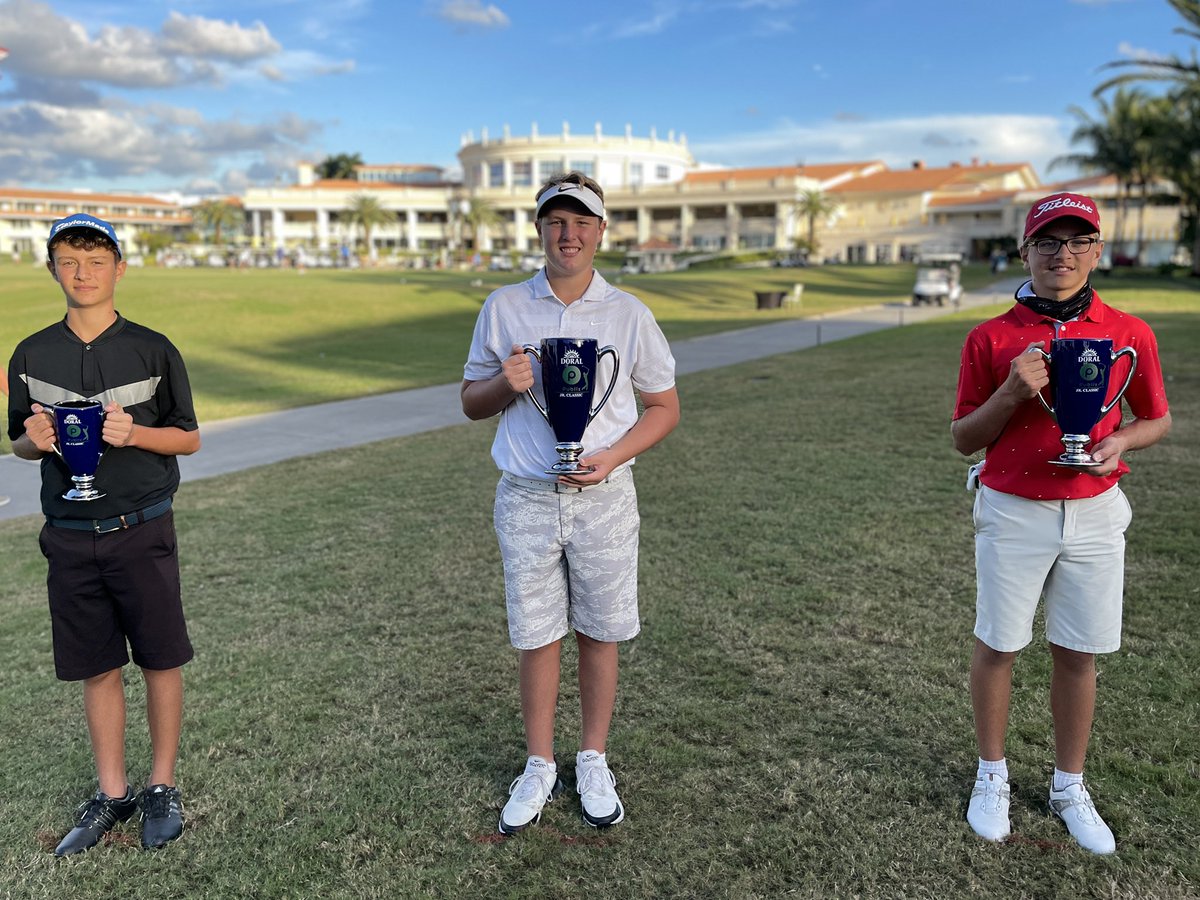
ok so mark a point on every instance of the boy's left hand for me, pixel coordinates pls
(118, 426)
(602, 465)
(1108, 454)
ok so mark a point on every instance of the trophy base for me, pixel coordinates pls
(1075, 456)
(84, 489)
(569, 469)
(568, 460)
(76, 494)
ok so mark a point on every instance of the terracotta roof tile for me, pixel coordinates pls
(908, 180)
(819, 172)
(81, 198)
(983, 198)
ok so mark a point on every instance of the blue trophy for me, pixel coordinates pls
(80, 444)
(1079, 378)
(569, 367)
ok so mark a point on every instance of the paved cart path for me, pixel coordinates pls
(231, 445)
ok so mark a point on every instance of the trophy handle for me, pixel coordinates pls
(532, 348)
(1117, 354)
(1046, 406)
(612, 381)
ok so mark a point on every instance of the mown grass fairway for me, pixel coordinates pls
(261, 340)
(793, 720)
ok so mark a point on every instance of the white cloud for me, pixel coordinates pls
(60, 122)
(49, 46)
(43, 143)
(645, 27)
(213, 39)
(937, 140)
(472, 13)
(1138, 53)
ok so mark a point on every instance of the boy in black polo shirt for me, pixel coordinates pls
(113, 564)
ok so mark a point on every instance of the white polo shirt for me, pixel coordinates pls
(527, 312)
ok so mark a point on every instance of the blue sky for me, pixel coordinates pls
(210, 95)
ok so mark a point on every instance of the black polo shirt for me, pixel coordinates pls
(128, 364)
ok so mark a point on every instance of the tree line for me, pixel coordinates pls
(1141, 138)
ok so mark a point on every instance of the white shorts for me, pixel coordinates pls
(1072, 552)
(570, 560)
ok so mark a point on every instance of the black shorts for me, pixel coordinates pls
(106, 589)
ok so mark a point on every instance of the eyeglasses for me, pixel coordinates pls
(1077, 245)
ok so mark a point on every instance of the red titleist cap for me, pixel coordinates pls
(1059, 206)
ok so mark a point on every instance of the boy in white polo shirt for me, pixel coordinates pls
(1042, 531)
(569, 545)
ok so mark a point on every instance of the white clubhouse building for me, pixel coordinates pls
(660, 203)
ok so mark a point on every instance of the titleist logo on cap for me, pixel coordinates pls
(1060, 202)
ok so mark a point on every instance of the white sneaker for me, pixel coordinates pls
(1074, 806)
(597, 790)
(987, 813)
(529, 792)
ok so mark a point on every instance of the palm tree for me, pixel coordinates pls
(217, 216)
(479, 215)
(1156, 117)
(1167, 68)
(341, 166)
(1178, 156)
(1118, 148)
(813, 205)
(365, 211)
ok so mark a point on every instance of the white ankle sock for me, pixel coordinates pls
(1063, 780)
(997, 767)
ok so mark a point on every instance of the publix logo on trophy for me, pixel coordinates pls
(574, 373)
(75, 429)
(1089, 365)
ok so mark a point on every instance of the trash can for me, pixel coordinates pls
(769, 299)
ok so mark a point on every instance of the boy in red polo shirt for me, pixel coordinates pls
(1043, 530)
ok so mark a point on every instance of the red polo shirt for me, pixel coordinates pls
(1017, 462)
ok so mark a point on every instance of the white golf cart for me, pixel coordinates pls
(936, 285)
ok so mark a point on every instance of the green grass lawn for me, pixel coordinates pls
(261, 340)
(793, 720)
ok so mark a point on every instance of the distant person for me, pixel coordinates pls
(113, 563)
(569, 545)
(1044, 531)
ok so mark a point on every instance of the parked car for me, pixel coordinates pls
(936, 286)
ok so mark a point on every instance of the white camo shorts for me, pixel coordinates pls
(570, 561)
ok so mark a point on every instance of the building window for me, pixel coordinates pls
(635, 173)
(586, 166)
(522, 174)
(662, 173)
(496, 174)
(548, 168)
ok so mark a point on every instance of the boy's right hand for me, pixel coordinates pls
(1028, 373)
(39, 428)
(518, 370)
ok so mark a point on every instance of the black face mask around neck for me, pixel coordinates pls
(1062, 310)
